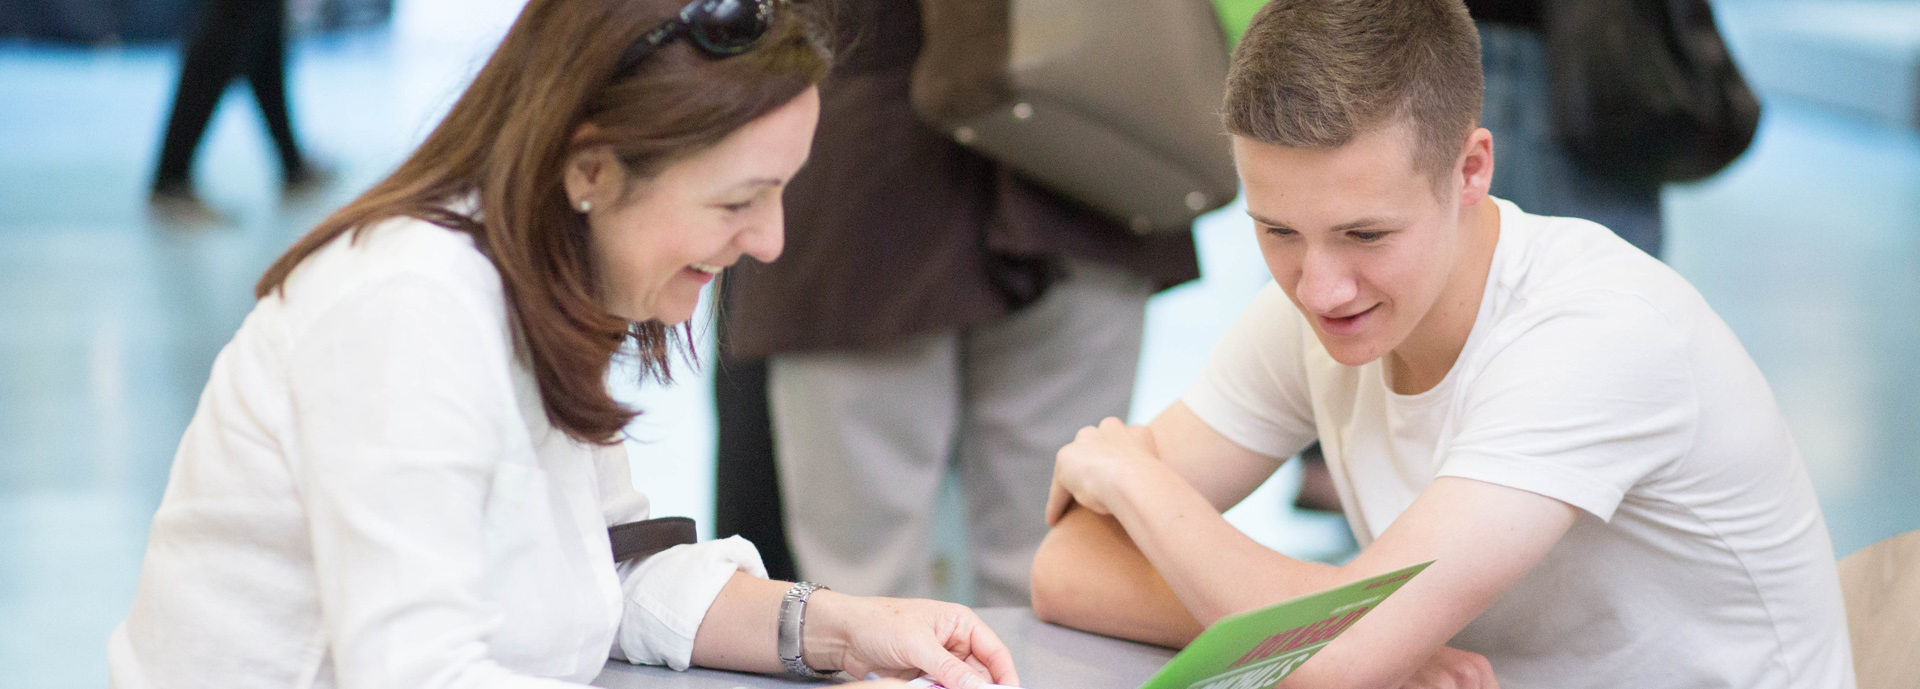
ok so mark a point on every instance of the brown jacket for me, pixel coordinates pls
(894, 230)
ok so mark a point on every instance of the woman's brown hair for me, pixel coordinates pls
(508, 139)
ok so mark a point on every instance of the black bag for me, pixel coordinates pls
(1644, 91)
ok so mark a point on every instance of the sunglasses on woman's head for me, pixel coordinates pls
(718, 28)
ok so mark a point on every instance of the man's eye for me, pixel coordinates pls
(1280, 232)
(1367, 236)
(736, 207)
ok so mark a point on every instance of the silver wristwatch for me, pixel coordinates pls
(793, 622)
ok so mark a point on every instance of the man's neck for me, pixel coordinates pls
(1425, 357)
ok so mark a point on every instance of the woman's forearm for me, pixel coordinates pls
(739, 631)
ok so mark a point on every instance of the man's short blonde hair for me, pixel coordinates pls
(1316, 73)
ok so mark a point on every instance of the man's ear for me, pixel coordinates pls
(1476, 167)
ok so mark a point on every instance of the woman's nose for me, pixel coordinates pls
(765, 239)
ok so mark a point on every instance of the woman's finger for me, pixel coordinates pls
(986, 648)
(946, 670)
(978, 668)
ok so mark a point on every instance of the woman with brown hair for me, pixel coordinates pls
(404, 466)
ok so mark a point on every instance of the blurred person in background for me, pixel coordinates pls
(1536, 172)
(746, 482)
(235, 38)
(405, 465)
(933, 312)
(1596, 104)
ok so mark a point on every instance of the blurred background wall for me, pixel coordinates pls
(1809, 247)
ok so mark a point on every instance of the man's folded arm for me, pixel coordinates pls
(1088, 575)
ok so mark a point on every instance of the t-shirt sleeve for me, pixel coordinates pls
(1253, 389)
(1580, 405)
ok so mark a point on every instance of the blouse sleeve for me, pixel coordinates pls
(666, 595)
(400, 392)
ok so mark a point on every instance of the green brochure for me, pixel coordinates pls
(1255, 649)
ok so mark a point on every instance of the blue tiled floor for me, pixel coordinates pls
(1810, 248)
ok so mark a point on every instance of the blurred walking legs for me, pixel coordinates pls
(236, 38)
(864, 437)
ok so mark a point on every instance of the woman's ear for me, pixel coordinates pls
(588, 173)
(592, 174)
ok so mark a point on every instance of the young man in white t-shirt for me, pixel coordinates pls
(1599, 471)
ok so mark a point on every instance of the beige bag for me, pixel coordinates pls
(1112, 103)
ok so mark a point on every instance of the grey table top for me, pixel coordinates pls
(1047, 656)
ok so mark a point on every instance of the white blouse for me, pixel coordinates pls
(369, 495)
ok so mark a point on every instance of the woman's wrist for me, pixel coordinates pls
(827, 633)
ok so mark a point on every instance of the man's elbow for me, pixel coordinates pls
(1053, 589)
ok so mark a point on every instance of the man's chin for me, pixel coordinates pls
(1350, 351)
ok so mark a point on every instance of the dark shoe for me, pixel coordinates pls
(176, 204)
(308, 180)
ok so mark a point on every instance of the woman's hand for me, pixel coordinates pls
(1091, 469)
(903, 638)
(1451, 668)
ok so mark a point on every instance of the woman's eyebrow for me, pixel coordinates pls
(760, 182)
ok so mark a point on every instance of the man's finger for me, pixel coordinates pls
(1058, 500)
(1144, 436)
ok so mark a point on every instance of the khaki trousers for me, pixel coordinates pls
(863, 438)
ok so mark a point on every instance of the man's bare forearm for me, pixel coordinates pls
(1088, 575)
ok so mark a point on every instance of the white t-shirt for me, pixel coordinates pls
(370, 495)
(1596, 376)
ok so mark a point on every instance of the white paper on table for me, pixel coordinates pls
(928, 683)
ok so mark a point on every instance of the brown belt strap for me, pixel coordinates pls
(634, 540)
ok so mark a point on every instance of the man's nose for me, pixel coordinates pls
(1326, 283)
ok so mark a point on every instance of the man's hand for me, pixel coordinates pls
(1450, 668)
(1091, 469)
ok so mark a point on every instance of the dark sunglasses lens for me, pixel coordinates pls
(731, 26)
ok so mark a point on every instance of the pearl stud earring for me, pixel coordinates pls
(586, 205)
